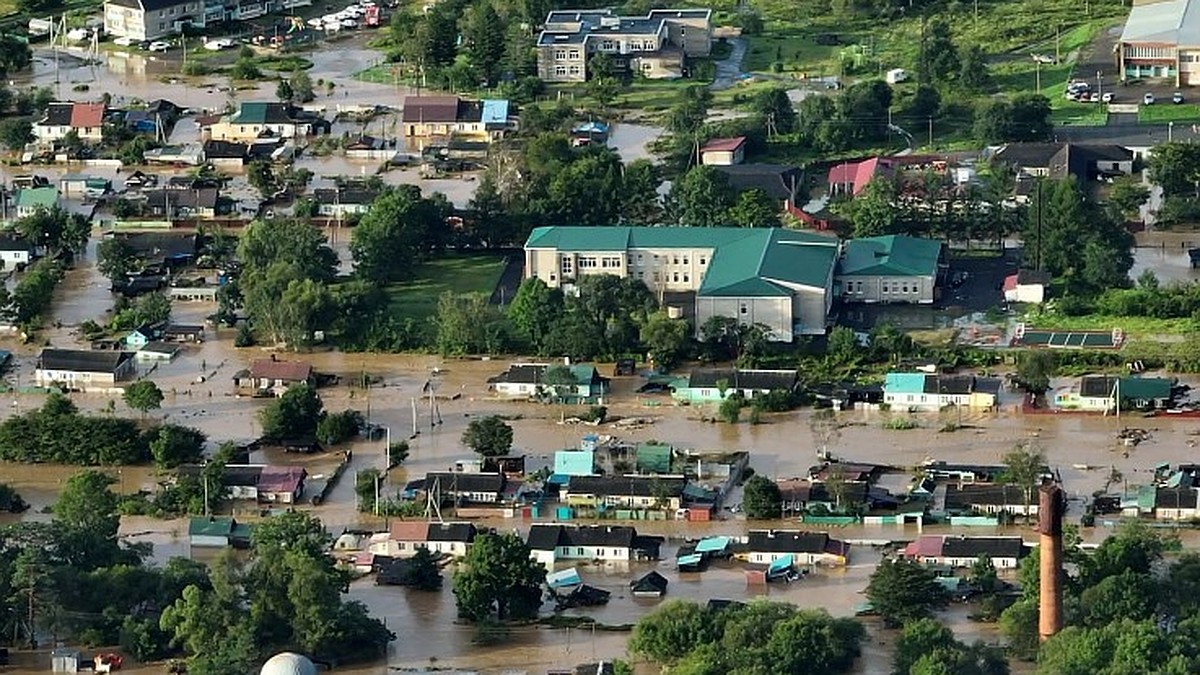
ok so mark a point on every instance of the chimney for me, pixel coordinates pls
(1051, 508)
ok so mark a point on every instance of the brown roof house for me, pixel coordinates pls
(272, 376)
(85, 119)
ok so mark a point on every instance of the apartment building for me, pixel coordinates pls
(654, 46)
(1161, 40)
(153, 19)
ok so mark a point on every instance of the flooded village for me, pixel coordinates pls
(630, 507)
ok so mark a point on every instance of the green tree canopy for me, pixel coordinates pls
(488, 436)
(399, 229)
(498, 579)
(762, 499)
(296, 414)
(143, 396)
(701, 198)
(905, 590)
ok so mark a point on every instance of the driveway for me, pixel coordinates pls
(729, 69)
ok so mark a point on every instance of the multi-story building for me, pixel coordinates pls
(152, 19)
(427, 117)
(85, 119)
(653, 46)
(780, 278)
(1161, 40)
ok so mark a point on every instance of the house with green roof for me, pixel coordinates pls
(1099, 393)
(780, 278)
(258, 119)
(894, 268)
(218, 532)
(31, 200)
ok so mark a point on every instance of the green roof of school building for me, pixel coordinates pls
(1145, 388)
(755, 262)
(892, 255)
(46, 197)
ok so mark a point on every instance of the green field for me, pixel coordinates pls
(1165, 111)
(458, 274)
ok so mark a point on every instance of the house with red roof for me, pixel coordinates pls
(1026, 286)
(273, 376)
(281, 484)
(851, 178)
(85, 119)
(724, 151)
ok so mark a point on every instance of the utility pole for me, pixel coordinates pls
(1039, 224)
(931, 131)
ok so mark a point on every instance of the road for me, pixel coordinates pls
(729, 69)
(1129, 135)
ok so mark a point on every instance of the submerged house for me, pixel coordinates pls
(579, 382)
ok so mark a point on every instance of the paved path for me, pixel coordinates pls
(729, 69)
(1128, 135)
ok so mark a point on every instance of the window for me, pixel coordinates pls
(574, 70)
(745, 310)
(560, 70)
(685, 260)
(676, 278)
(905, 288)
(607, 45)
(685, 278)
(702, 261)
(579, 550)
(641, 274)
(566, 265)
(575, 54)
(629, 261)
(589, 262)
(560, 54)
(640, 257)
(676, 261)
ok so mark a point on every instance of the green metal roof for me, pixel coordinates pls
(653, 458)
(252, 112)
(1145, 388)
(891, 255)
(34, 197)
(215, 526)
(746, 262)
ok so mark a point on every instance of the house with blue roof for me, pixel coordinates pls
(894, 268)
(782, 279)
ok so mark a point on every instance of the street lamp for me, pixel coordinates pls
(1100, 84)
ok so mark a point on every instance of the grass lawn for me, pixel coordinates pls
(458, 274)
(1080, 114)
(1165, 111)
(384, 73)
(795, 52)
(1136, 327)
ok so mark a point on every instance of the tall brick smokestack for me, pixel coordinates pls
(1052, 505)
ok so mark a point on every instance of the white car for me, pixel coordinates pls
(332, 27)
(124, 42)
(219, 44)
(349, 23)
(159, 46)
(1148, 99)
(1107, 97)
(314, 22)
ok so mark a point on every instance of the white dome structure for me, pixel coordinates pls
(288, 663)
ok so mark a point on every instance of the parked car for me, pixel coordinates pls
(1177, 97)
(1148, 99)
(123, 42)
(1093, 97)
(1107, 97)
(159, 46)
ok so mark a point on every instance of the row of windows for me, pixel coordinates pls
(856, 287)
(563, 70)
(1136, 52)
(563, 54)
(673, 260)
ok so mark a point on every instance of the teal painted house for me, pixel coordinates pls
(714, 385)
(782, 279)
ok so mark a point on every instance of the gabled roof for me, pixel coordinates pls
(891, 255)
(441, 110)
(779, 181)
(649, 582)
(1176, 498)
(87, 115)
(1145, 388)
(856, 175)
(628, 486)
(973, 547)
(82, 360)
(10, 242)
(1024, 278)
(787, 541)
(743, 379)
(345, 195)
(57, 115)
(724, 144)
(408, 530)
(287, 371)
(963, 496)
(45, 197)
(281, 478)
(459, 532)
(1168, 22)
(264, 112)
(215, 149)
(549, 537)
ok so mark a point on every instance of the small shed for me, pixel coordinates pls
(650, 585)
(724, 151)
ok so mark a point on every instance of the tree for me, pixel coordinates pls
(974, 75)
(776, 110)
(86, 514)
(294, 415)
(754, 208)
(335, 428)
(689, 113)
(15, 53)
(172, 445)
(842, 345)
(825, 431)
(485, 43)
(1174, 166)
(874, 212)
(940, 62)
(641, 203)
(701, 198)
(918, 638)
(397, 231)
(1034, 370)
(262, 178)
(1024, 467)
(669, 633)
(534, 311)
(560, 382)
(302, 87)
(666, 339)
(1025, 118)
(983, 574)
(762, 499)
(488, 436)
(730, 410)
(283, 91)
(421, 572)
(904, 590)
(142, 396)
(498, 579)
(16, 132)
(115, 258)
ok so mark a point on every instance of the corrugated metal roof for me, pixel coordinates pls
(904, 383)
(1164, 22)
(891, 255)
